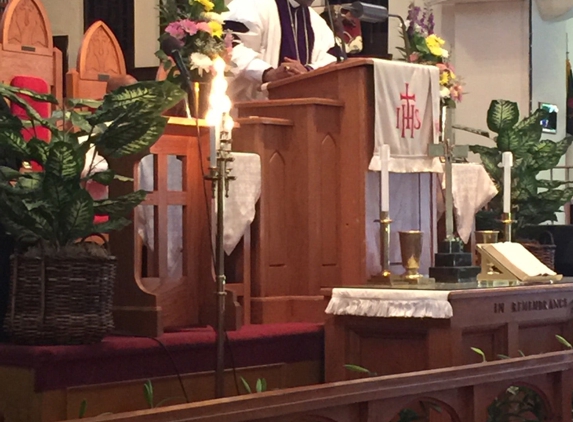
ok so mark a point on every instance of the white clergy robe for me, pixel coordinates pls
(259, 48)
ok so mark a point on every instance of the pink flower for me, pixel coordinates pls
(189, 26)
(414, 57)
(229, 43)
(175, 30)
(204, 26)
(456, 93)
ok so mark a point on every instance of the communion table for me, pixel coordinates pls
(397, 329)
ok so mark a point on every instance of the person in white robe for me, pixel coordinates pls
(273, 40)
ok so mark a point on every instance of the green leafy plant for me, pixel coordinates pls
(260, 385)
(360, 369)
(534, 201)
(53, 206)
(518, 403)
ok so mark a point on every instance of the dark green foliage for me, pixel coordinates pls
(53, 205)
(534, 201)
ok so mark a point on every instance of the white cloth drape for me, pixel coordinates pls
(384, 303)
(407, 114)
(472, 189)
(244, 192)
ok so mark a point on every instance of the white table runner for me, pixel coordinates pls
(384, 303)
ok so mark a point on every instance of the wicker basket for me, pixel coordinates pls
(545, 252)
(60, 300)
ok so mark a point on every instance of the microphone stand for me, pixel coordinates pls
(220, 176)
(341, 55)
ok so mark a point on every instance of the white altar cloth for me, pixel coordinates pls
(384, 303)
(244, 192)
(472, 189)
(407, 115)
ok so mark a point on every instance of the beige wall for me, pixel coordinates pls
(146, 32)
(67, 18)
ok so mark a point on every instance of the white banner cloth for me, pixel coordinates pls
(244, 192)
(472, 189)
(384, 303)
(407, 115)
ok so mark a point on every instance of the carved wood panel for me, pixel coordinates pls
(119, 16)
(25, 27)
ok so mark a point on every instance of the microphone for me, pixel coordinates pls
(340, 50)
(172, 47)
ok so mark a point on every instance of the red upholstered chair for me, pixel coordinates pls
(96, 190)
(44, 109)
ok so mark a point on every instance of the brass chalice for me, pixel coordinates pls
(411, 249)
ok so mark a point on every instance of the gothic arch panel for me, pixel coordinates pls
(100, 54)
(278, 227)
(25, 27)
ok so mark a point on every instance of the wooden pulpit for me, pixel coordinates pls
(315, 136)
(149, 295)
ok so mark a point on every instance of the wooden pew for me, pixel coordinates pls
(26, 46)
(100, 58)
(463, 393)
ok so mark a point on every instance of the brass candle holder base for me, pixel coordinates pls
(507, 220)
(385, 276)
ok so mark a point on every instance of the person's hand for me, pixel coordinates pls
(294, 67)
(277, 74)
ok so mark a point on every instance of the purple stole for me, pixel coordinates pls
(300, 15)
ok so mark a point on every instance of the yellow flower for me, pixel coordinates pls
(444, 78)
(207, 4)
(216, 29)
(435, 43)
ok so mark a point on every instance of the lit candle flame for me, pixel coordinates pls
(220, 104)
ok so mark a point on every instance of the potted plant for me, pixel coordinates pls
(62, 287)
(534, 200)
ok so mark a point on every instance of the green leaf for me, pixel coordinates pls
(502, 115)
(150, 95)
(121, 205)
(521, 353)
(78, 219)
(503, 357)
(83, 102)
(563, 341)
(110, 225)
(479, 352)
(246, 385)
(12, 144)
(357, 368)
(14, 95)
(7, 174)
(38, 150)
(83, 408)
(58, 193)
(126, 136)
(551, 184)
(148, 393)
(544, 156)
(103, 177)
(511, 140)
(64, 162)
(261, 385)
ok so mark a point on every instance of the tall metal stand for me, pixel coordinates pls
(220, 177)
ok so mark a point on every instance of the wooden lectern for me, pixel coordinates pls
(147, 298)
(315, 136)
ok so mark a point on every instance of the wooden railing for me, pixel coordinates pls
(459, 394)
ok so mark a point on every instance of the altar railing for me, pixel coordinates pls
(541, 384)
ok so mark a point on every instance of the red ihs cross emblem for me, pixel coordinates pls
(407, 115)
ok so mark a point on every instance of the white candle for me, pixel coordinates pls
(212, 146)
(384, 178)
(507, 163)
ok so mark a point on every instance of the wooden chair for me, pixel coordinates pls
(100, 59)
(26, 47)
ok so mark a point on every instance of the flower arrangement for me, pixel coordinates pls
(428, 48)
(198, 26)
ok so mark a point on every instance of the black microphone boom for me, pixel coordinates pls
(172, 47)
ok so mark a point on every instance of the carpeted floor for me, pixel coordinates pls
(192, 350)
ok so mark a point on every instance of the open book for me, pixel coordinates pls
(513, 261)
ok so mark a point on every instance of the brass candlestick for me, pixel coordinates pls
(411, 249)
(385, 222)
(507, 220)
